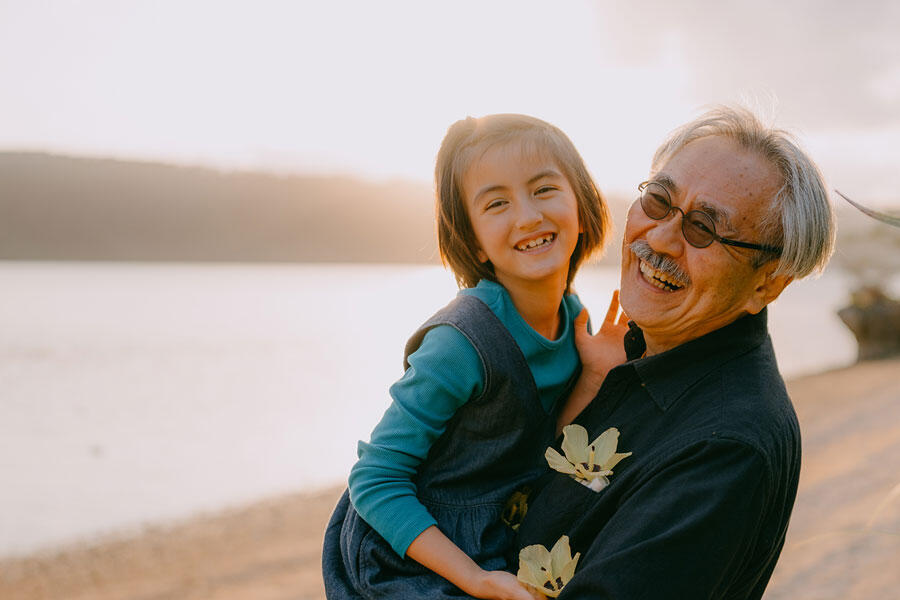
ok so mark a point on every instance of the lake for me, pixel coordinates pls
(136, 393)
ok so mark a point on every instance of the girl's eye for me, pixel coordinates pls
(544, 189)
(495, 204)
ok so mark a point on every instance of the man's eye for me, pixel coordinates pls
(659, 201)
(702, 224)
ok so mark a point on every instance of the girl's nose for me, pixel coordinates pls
(528, 215)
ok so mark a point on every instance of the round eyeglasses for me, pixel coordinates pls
(697, 227)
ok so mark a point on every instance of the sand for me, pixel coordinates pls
(844, 539)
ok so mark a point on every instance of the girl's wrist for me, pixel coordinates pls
(592, 380)
(480, 583)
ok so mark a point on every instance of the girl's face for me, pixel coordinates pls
(524, 214)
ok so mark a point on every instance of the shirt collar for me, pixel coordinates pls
(668, 375)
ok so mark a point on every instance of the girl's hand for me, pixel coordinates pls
(433, 550)
(599, 353)
(500, 585)
(605, 349)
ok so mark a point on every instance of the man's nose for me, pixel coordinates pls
(665, 236)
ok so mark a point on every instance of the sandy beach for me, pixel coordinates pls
(844, 540)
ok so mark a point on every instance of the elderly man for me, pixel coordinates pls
(732, 213)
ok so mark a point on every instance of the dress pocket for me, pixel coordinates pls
(478, 530)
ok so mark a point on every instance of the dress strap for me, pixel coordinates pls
(494, 344)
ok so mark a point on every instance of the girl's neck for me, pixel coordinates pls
(538, 303)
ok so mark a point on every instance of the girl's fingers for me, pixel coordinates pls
(613, 309)
(581, 322)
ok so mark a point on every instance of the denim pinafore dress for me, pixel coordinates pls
(492, 446)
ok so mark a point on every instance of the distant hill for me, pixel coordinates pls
(69, 208)
(65, 208)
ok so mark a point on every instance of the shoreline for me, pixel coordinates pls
(267, 549)
(844, 534)
(129, 533)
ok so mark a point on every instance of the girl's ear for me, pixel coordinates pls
(482, 257)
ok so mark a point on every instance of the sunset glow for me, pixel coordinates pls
(369, 88)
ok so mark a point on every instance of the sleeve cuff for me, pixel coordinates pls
(400, 525)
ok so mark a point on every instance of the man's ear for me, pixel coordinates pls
(768, 286)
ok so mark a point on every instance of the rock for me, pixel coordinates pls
(874, 318)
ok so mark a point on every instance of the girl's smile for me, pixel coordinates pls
(537, 243)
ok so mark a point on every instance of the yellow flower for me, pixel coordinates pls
(589, 464)
(516, 507)
(548, 572)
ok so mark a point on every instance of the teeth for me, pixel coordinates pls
(536, 242)
(659, 279)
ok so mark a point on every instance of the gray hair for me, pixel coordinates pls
(804, 226)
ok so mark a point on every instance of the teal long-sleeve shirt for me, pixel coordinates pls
(444, 373)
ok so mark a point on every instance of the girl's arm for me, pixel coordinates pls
(433, 550)
(599, 353)
(444, 373)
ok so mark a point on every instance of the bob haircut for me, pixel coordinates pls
(799, 217)
(466, 141)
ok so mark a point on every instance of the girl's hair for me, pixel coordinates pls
(466, 141)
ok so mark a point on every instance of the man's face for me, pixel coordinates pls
(717, 284)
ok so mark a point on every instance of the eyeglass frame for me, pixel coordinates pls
(712, 229)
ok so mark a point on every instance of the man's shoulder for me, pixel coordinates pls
(753, 394)
(745, 400)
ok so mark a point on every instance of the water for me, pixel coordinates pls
(134, 393)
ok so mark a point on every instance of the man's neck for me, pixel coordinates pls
(658, 342)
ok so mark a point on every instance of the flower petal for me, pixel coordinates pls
(560, 555)
(530, 575)
(575, 442)
(614, 460)
(558, 463)
(605, 445)
(568, 571)
(535, 555)
(534, 566)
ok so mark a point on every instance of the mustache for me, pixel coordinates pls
(659, 262)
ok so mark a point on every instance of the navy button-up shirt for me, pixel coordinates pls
(701, 507)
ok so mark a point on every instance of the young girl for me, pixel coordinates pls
(485, 378)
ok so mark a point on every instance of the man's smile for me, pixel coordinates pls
(658, 270)
(660, 279)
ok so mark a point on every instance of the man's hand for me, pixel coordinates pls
(605, 349)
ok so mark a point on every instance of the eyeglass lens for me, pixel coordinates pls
(698, 228)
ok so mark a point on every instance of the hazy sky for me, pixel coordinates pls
(370, 87)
